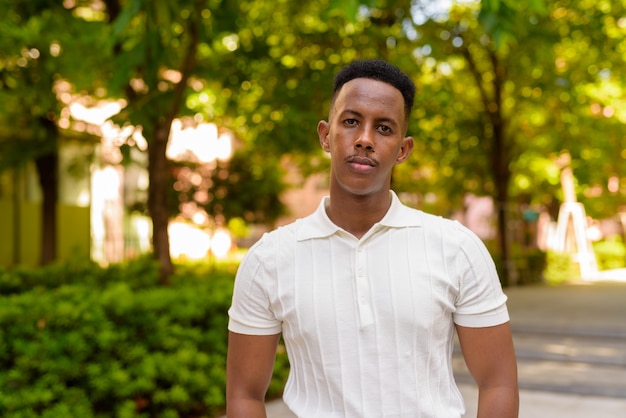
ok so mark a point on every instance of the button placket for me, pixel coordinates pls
(366, 315)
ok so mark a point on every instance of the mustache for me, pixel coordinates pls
(359, 159)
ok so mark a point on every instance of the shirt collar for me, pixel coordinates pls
(319, 225)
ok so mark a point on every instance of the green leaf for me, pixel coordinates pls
(130, 10)
(347, 8)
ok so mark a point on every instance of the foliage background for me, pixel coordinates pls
(505, 89)
(77, 340)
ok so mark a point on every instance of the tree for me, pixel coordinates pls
(490, 76)
(224, 62)
(42, 45)
(155, 45)
(464, 142)
(506, 90)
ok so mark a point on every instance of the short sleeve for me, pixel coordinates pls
(250, 312)
(481, 301)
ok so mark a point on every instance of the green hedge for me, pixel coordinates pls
(136, 274)
(610, 253)
(82, 341)
(560, 268)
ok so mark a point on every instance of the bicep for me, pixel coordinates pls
(489, 355)
(249, 365)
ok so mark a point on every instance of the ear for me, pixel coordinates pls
(323, 128)
(405, 149)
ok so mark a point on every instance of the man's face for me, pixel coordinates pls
(365, 137)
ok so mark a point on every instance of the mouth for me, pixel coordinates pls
(360, 164)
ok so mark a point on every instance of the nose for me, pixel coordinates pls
(365, 141)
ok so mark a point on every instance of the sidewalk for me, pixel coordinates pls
(592, 310)
(535, 404)
(586, 308)
(532, 405)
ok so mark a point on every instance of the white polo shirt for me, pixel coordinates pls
(369, 324)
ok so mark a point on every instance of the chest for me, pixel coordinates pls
(388, 283)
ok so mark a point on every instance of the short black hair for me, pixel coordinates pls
(380, 70)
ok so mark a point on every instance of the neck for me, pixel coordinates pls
(357, 214)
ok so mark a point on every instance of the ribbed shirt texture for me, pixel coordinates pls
(368, 323)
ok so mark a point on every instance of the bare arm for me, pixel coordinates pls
(490, 358)
(249, 367)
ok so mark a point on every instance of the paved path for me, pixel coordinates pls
(587, 308)
(571, 347)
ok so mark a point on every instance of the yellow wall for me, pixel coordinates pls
(73, 233)
(6, 233)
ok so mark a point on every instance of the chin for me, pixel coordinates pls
(361, 191)
(360, 187)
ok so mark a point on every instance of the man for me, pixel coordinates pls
(366, 292)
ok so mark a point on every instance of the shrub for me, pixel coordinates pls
(560, 268)
(83, 341)
(137, 274)
(528, 266)
(610, 253)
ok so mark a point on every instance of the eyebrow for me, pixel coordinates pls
(390, 121)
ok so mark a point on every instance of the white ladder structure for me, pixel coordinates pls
(571, 237)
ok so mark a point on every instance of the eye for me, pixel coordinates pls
(350, 122)
(384, 129)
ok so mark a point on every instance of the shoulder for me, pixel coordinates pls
(449, 235)
(448, 228)
(453, 226)
(272, 238)
(276, 241)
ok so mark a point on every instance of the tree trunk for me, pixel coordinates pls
(17, 216)
(158, 133)
(158, 166)
(501, 171)
(47, 169)
(158, 172)
(499, 153)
